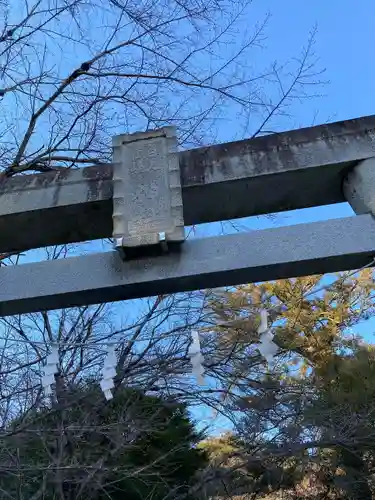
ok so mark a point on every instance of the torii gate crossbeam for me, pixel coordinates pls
(291, 170)
(302, 168)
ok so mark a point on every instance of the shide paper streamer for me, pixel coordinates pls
(50, 369)
(109, 372)
(266, 347)
(196, 358)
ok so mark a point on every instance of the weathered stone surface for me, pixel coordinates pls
(296, 169)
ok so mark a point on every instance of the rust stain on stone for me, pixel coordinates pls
(97, 177)
(270, 153)
(98, 172)
(99, 181)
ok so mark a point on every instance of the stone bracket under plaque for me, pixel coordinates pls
(147, 195)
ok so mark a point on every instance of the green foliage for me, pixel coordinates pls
(323, 394)
(135, 446)
(243, 473)
(219, 448)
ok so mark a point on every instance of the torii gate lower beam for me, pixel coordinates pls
(304, 249)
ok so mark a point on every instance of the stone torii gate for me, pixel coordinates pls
(150, 192)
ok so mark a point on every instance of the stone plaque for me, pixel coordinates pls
(147, 197)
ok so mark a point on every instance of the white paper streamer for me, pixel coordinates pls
(51, 367)
(263, 327)
(109, 372)
(267, 347)
(196, 358)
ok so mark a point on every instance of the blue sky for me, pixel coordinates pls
(343, 45)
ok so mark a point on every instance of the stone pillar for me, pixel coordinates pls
(359, 187)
